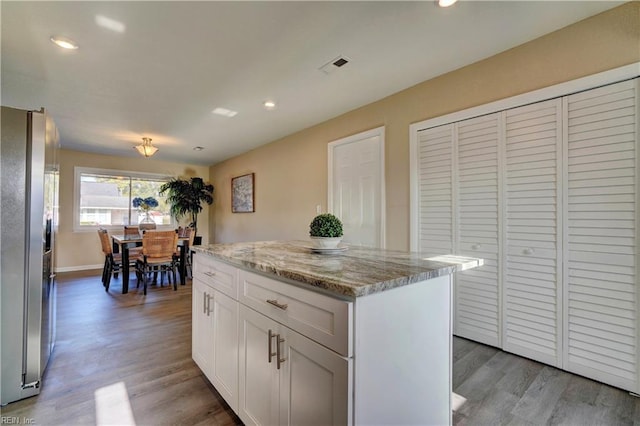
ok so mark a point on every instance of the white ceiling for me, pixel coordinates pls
(176, 61)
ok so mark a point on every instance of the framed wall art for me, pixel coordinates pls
(242, 195)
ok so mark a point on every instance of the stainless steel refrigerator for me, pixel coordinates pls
(28, 224)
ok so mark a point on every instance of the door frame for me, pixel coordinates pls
(379, 132)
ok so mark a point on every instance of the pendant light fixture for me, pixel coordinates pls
(146, 148)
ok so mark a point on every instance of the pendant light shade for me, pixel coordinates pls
(146, 148)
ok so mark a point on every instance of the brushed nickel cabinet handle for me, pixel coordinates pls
(271, 336)
(275, 303)
(204, 303)
(278, 359)
(210, 274)
(209, 297)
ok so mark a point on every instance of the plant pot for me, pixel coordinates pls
(325, 242)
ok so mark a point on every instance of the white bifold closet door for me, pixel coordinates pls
(458, 204)
(532, 288)
(435, 197)
(601, 281)
(476, 232)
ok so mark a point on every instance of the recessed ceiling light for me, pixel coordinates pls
(110, 24)
(269, 104)
(224, 112)
(198, 148)
(446, 3)
(63, 42)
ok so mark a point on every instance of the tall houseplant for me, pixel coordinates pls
(186, 198)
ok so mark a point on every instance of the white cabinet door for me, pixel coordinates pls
(259, 386)
(477, 301)
(314, 383)
(202, 331)
(224, 362)
(532, 282)
(287, 379)
(601, 292)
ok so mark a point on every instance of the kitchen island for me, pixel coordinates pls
(289, 336)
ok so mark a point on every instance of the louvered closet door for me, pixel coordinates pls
(435, 190)
(532, 288)
(602, 281)
(476, 291)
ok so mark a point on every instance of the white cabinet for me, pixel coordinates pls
(259, 377)
(301, 357)
(557, 183)
(202, 327)
(286, 378)
(224, 368)
(215, 326)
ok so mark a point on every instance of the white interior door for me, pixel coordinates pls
(356, 186)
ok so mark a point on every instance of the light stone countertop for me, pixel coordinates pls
(355, 272)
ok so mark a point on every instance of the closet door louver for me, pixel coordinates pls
(601, 315)
(532, 287)
(435, 190)
(477, 290)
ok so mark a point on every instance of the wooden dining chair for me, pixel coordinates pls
(112, 261)
(134, 252)
(159, 255)
(131, 230)
(191, 234)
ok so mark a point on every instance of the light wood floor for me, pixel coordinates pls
(505, 389)
(142, 341)
(145, 343)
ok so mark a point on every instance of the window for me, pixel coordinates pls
(103, 198)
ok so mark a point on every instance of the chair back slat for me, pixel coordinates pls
(159, 243)
(104, 241)
(131, 230)
(187, 232)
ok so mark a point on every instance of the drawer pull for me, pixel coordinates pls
(204, 303)
(275, 303)
(278, 359)
(529, 251)
(271, 336)
(210, 274)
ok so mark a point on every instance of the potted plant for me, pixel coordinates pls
(325, 231)
(186, 197)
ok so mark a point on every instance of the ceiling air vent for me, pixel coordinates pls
(334, 64)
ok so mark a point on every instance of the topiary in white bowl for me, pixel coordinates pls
(325, 231)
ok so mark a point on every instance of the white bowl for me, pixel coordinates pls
(326, 242)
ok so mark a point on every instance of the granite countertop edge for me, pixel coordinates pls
(359, 271)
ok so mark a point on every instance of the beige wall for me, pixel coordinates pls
(291, 173)
(81, 250)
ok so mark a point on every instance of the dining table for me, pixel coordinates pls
(122, 243)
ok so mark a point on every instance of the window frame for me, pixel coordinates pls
(79, 171)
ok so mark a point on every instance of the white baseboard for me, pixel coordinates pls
(78, 268)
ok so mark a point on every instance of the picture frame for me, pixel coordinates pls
(242, 194)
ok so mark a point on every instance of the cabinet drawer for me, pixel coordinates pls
(324, 319)
(217, 274)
